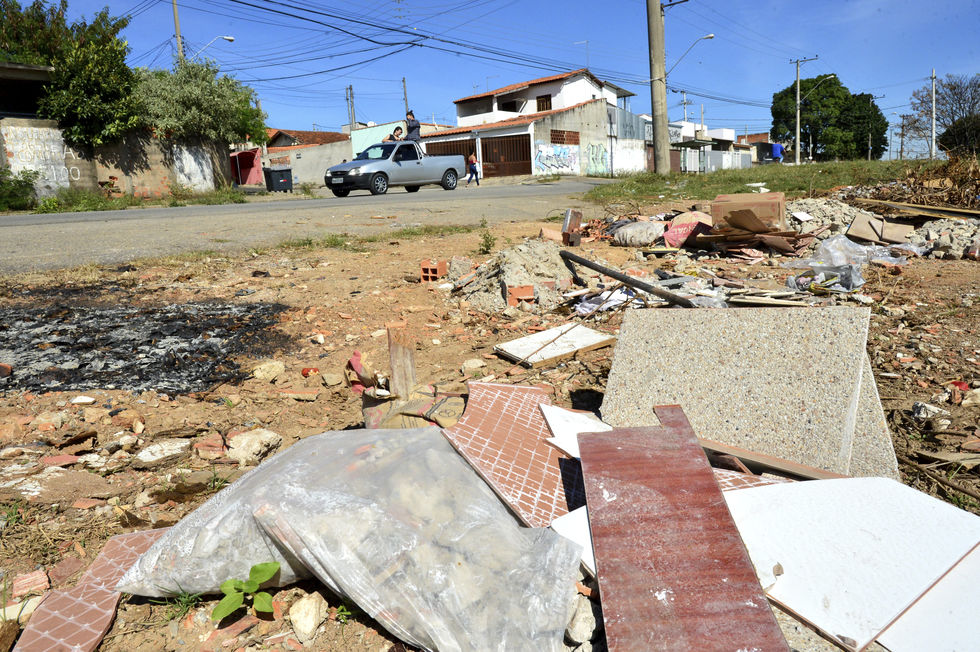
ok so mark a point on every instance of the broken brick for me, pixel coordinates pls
(59, 460)
(36, 582)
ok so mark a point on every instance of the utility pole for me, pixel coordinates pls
(658, 86)
(796, 142)
(932, 144)
(901, 147)
(180, 41)
(405, 94)
(871, 99)
(353, 114)
(685, 103)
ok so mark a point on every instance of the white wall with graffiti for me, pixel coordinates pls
(556, 159)
(596, 161)
(629, 156)
(42, 149)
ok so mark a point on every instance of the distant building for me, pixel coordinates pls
(292, 137)
(21, 88)
(569, 123)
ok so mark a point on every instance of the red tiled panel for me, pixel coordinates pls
(673, 572)
(77, 619)
(503, 435)
(732, 480)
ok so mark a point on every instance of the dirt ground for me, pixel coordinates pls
(331, 302)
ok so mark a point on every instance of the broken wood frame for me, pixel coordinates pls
(760, 462)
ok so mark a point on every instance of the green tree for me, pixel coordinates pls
(831, 118)
(91, 90)
(957, 97)
(90, 93)
(35, 34)
(194, 102)
(962, 137)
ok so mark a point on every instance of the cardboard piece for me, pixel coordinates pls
(686, 226)
(769, 208)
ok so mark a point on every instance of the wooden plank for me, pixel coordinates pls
(944, 211)
(553, 345)
(769, 462)
(401, 354)
(673, 572)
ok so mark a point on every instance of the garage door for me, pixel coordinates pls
(448, 147)
(506, 156)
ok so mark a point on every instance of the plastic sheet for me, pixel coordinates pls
(838, 250)
(394, 520)
(638, 234)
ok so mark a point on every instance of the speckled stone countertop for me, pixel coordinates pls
(780, 381)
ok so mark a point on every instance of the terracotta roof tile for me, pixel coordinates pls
(510, 122)
(309, 137)
(533, 82)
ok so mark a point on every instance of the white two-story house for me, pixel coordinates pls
(569, 123)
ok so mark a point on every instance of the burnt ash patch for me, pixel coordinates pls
(171, 348)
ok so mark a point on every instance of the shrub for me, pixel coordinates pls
(17, 190)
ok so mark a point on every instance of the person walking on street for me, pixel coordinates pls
(412, 126)
(471, 166)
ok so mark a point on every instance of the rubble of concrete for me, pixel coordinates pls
(948, 239)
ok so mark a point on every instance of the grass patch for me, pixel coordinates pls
(428, 230)
(795, 181)
(74, 200)
(548, 178)
(348, 242)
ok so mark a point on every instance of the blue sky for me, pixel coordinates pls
(886, 47)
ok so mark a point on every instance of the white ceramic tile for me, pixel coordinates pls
(566, 425)
(574, 526)
(854, 552)
(570, 338)
(944, 619)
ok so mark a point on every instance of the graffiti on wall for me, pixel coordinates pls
(556, 159)
(41, 149)
(596, 159)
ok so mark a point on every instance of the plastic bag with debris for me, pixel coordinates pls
(638, 234)
(394, 520)
(826, 280)
(839, 250)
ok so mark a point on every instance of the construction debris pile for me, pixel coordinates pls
(955, 183)
(949, 239)
(531, 275)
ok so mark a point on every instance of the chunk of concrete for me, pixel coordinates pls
(249, 448)
(306, 614)
(161, 452)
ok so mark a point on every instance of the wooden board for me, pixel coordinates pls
(769, 462)
(571, 339)
(673, 572)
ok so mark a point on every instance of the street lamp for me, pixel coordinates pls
(706, 37)
(796, 145)
(230, 39)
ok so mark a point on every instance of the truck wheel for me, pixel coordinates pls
(412, 188)
(449, 180)
(379, 184)
(340, 192)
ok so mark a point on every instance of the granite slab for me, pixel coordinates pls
(672, 570)
(872, 454)
(779, 381)
(504, 437)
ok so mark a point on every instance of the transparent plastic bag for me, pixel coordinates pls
(839, 250)
(638, 234)
(399, 523)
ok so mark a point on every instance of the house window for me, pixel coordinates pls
(562, 137)
(510, 106)
(544, 102)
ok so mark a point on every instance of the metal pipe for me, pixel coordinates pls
(670, 297)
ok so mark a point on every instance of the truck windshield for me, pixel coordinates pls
(376, 152)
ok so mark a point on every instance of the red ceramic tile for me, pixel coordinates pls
(503, 435)
(673, 572)
(77, 619)
(731, 480)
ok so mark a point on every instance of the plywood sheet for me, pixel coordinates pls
(853, 553)
(569, 339)
(783, 382)
(672, 571)
(503, 436)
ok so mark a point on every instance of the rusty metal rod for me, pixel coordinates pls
(670, 297)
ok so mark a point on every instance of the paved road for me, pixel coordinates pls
(59, 240)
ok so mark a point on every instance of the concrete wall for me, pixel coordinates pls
(309, 163)
(593, 146)
(629, 156)
(137, 164)
(33, 144)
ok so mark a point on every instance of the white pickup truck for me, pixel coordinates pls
(402, 163)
